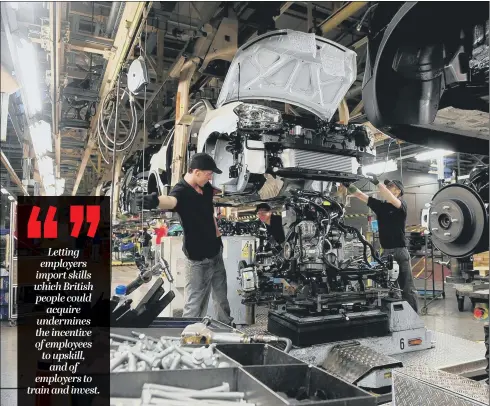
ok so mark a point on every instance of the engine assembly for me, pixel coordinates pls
(310, 276)
(298, 150)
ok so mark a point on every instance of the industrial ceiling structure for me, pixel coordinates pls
(71, 54)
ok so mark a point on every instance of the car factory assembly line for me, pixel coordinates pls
(338, 312)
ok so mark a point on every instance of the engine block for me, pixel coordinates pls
(310, 273)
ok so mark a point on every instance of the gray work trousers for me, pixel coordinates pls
(146, 253)
(405, 278)
(200, 277)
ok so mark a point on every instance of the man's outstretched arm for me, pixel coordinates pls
(388, 196)
(354, 191)
(167, 202)
(384, 191)
(153, 201)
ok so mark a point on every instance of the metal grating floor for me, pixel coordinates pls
(451, 354)
(260, 325)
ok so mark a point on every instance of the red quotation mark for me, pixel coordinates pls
(77, 218)
(51, 225)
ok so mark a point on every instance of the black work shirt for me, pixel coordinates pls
(197, 218)
(275, 229)
(146, 239)
(391, 222)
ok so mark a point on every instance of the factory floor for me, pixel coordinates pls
(443, 316)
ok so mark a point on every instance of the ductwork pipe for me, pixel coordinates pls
(111, 21)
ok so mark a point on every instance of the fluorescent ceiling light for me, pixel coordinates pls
(4, 191)
(433, 154)
(30, 79)
(60, 186)
(11, 198)
(380, 167)
(41, 138)
(46, 171)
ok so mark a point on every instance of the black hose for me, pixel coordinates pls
(363, 241)
(140, 280)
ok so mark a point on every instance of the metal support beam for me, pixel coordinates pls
(285, 7)
(57, 65)
(309, 16)
(357, 110)
(12, 173)
(116, 185)
(93, 49)
(360, 43)
(130, 21)
(341, 15)
(343, 112)
(181, 109)
(160, 64)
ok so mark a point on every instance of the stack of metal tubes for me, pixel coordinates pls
(145, 353)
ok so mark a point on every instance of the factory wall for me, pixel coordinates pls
(419, 190)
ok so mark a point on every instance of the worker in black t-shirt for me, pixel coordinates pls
(273, 223)
(145, 240)
(192, 199)
(392, 214)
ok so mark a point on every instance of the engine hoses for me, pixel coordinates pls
(366, 244)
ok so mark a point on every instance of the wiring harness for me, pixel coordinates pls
(105, 124)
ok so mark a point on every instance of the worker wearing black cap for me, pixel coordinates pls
(192, 199)
(273, 223)
(392, 214)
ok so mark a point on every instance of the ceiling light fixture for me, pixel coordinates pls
(41, 138)
(433, 154)
(30, 79)
(11, 198)
(380, 167)
(4, 191)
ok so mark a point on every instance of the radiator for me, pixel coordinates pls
(318, 160)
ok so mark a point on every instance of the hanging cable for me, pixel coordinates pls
(109, 106)
(144, 133)
(110, 143)
(116, 126)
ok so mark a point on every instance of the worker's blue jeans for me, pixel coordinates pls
(200, 277)
(405, 278)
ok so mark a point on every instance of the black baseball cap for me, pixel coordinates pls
(397, 183)
(203, 162)
(263, 206)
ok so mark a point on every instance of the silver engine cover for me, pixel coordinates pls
(307, 229)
